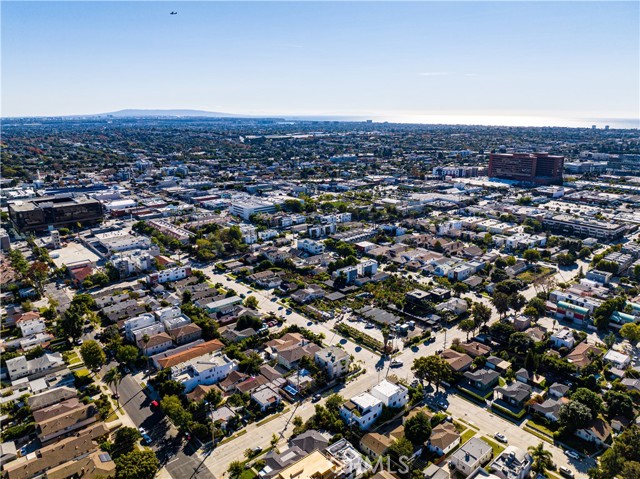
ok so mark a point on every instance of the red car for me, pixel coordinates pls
(155, 403)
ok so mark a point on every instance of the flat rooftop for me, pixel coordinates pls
(73, 253)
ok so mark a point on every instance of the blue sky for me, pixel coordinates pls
(381, 59)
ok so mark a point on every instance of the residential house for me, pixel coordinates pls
(62, 419)
(549, 408)
(8, 452)
(290, 357)
(275, 461)
(362, 409)
(582, 354)
(186, 334)
(48, 457)
(266, 279)
(459, 362)
(222, 416)
(222, 304)
(617, 360)
(563, 338)
(207, 369)
(524, 376)
(21, 367)
(456, 306)
(139, 322)
(234, 335)
(597, 431)
(472, 455)
(374, 444)
(431, 472)
(348, 462)
(201, 390)
(31, 323)
(309, 441)
(514, 394)
(98, 465)
(335, 361)
(266, 397)
(51, 396)
(312, 466)
(475, 349)
(156, 344)
(228, 384)
(558, 390)
(497, 364)
(512, 463)
(308, 294)
(482, 379)
(444, 438)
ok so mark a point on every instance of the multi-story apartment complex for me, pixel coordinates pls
(169, 275)
(203, 370)
(362, 410)
(531, 168)
(310, 246)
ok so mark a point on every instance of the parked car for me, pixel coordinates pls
(78, 342)
(565, 472)
(572, 455)
(396, 363)
(500, 437)
(316, 397)
(154, 403)
(256, 450)
(146, 439)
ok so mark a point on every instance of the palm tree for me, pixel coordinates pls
(145, 340)
(113, 377)
(386, 333)
(541, 458)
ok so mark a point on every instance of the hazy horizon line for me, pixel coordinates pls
(496, 120)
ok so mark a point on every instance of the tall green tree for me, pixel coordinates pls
(467, 325)
(500, 301)
(125, 441)
(433, 369)
(173, 408)
(92, 354)
(137, 465)
(417, 429)
(481, 314)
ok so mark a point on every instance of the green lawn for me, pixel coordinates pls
(248, 474)
(543, 429)
(530, 275)
(497, 448)
(468, 434)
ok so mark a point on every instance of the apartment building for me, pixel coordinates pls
(362, 410)
(203, 370)
(169, 275)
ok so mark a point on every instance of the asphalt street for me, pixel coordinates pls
(173, 452)
(375, 369)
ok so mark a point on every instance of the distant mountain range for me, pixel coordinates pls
(133, 113)
(128, 113)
